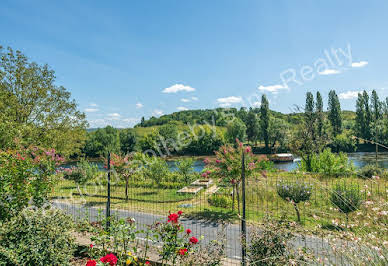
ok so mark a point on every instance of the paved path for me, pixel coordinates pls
(209, 230)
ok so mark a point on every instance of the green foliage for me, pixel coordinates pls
(37, 237)
(185, 169)
(253, 126)
(346, 197)
(277, 133)
(295, 193)
(82, 173)
(222, 201)
(102, 141)
(264, 120)
(34, 110)
(334, 116)
(204, 141)
(370, 170)
(329, 164)
(157, 170)
(25, 175)
(127, 140)
(235, 129)
(343, 142)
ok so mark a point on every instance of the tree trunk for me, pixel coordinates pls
(297, 212)
(126, 188)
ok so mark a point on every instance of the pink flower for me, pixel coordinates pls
(248, 149)
(218, 161)
(204, 175)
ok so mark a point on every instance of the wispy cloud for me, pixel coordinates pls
(139, 105)
(348, 95)
(194, 98)
(93, 104)
(329, 72)
(157, 112)
(228, 101)
(91, 110)
(272, 88)
(114, 116)
(181, 108)
(177, 87)
(359, 64)
(185, 100)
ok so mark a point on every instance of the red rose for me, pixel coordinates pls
(91, 246)
(180, 213)
(188, 231)
(91, 263)
(193, 240)
(182, 251)
(173, 217)
(147, 263)
(110, 258)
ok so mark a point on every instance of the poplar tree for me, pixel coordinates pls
(253, 127)
(264, 120)
(319, 115)
(335, 117)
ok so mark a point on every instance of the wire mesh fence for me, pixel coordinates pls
(212, 208)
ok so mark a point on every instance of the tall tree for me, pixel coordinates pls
(319, 114)
(127, 140)
(368, 116)
(235, 130)
(253, 127)
(34, 109)
(335, 115)
(264, 120)
(360, 116)
(376, 107)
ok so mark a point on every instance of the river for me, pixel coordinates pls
(359, 159)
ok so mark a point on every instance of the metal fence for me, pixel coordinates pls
(207, 207)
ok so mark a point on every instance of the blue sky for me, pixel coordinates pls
(122, 60)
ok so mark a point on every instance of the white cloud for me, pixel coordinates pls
(91, 110)
(139, 105)
(194, 98)
(329, 72)
(181, 108)
(118, 123)
(228, 101)
(359, 64)
(272, 88)
(177, 87)
(349, 95)
(93, 104)
(114, 115)
(157, 112)
(256, 104)
(185, 100)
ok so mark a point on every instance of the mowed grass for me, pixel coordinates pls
(262, 201)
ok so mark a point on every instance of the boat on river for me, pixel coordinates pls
(282, 157)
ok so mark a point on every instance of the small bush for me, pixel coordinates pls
(370, 170)
(347, 198)
(36, 237)
(271, 245)
(294, 193)
(221, 201)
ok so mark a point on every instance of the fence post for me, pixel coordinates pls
(108, 200)
(243, 221)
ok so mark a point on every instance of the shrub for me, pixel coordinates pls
(37, 237)
(156, 169)
(221, 201)
(294, 193)
(185, 169)
(370, 170)
(81, 174)
(346, 197)
(329, 164)
(271, 245)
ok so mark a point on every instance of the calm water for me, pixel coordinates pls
(359, 159)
